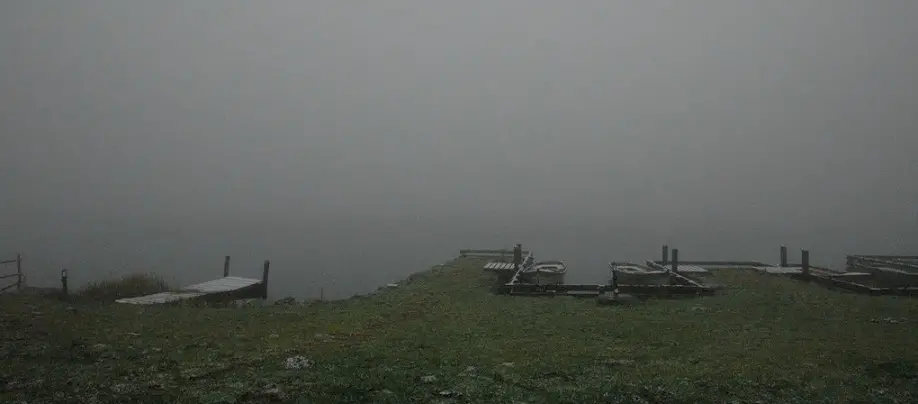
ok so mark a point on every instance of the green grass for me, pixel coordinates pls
(131, 285)
(764, 339)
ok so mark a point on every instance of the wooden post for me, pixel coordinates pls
(18, 272)
(665, 254)
(675, 263)
(783, 256)
(614, 283)
(321, 294)
(264, 280)
(64, 282)
(226, 263)
(517, 257)
(805, 262)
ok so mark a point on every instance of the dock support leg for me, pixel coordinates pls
(64, 291)
(675, 262)
(805, 262)
(517, 257)
(18, 272)
(264, 280)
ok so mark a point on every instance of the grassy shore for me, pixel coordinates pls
(443, 337)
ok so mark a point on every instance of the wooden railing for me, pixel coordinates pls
(17, 274)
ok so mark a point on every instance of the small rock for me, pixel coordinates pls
(99, 347)
(447, 393)
(273, 336)
(507, 364)
(132, 334)
(618, 362)
(386, 392)
(699, 309)
(428, 378)
(392, 285)
(273, 393)
(297, 362)
(471, 369)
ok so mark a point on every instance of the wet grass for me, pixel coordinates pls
(442, 337)
(131, 285)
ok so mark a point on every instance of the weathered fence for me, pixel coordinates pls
(18, 274)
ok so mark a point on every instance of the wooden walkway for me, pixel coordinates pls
(222, 289)
(230, 287)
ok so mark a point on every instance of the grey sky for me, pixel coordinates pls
(720, 115)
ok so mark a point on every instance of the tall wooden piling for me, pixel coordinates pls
(18, 272)
(805, 262)
(517, 257)
(665, 254)
(64, 282)
(226, 263)
(264, 280)
(783, 256)
(675, 261)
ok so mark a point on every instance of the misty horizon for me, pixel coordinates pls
(164, 135)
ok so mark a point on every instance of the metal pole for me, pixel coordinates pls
(665, 254)
(783, 256)
(226, 263)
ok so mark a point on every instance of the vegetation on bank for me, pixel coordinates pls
(444, 337)
(131, 285)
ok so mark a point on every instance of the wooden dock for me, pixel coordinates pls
(223, 289)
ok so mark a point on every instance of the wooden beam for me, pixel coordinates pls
(264, 279)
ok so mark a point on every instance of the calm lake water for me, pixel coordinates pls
(348, 257)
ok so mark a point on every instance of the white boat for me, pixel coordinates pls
(545, 273)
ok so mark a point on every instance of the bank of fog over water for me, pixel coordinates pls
(355, 143)
(347, 257)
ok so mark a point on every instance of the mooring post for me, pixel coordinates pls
(783, 256)
(805, 262)
(665, 254)
(517, 257)
(64, 282)
(264, 280)
(18, 272)
(675, 263)
(226, 263)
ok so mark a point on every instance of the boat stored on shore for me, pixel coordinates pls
(545, 273)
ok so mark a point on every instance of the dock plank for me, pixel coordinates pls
(223, 285)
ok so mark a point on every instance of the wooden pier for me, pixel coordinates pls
(224, 289)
